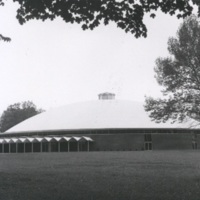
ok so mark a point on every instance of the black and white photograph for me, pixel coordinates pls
(100, 100)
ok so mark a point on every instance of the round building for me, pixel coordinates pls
(106, 124)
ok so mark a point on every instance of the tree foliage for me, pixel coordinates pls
(5, 39)
(17, 113)
(179, 74)
(128, 15)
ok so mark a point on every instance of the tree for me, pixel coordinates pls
(179, 74)
(127, 14)
(17, 113)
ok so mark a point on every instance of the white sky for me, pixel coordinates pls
(54, 63)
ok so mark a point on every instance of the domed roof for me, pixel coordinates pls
(99, 114)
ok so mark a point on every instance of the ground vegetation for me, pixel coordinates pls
(160, 175)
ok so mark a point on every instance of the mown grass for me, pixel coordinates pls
(162, 175)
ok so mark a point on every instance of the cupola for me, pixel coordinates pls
(106, 96)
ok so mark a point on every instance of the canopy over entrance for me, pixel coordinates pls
(45, 144)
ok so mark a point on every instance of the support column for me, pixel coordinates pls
(16, 147)
(3, 148)
(78, 146)
(68, 146)
(32, 147)
(88, 146)
(9, 147)
(24, 147)
(41, 147)
(58, 146)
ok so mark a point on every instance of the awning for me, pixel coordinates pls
(45, 139)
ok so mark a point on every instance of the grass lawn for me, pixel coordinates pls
(153, 175)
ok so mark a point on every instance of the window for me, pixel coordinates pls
(194, 141)
(147, 137)
(147, 142)
(194, 144)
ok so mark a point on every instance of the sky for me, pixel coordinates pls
(55, 63)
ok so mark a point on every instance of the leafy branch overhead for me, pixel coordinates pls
(179, 75)
(128, 15)
(5, 39)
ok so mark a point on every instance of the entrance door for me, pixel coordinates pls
(148, 145)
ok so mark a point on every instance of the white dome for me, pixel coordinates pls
(100, 114)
